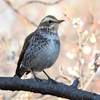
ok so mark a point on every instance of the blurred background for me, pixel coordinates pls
(79, 35)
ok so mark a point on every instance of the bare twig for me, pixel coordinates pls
(75, 83)
(44, 3)
(80, 54)
(20, 13)
(77, 24)
(88, 75)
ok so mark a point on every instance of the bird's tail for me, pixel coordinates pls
(20, 72)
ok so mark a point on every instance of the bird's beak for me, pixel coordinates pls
(60, 21)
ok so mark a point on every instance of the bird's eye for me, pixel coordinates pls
(50, 21)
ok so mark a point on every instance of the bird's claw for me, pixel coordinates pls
(51, 80)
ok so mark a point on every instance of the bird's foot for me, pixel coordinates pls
(38, 79)
(51, 80)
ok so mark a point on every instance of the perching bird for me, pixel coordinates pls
(41, 48)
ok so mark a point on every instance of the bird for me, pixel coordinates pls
(41, 48)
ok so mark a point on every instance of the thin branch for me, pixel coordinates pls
(20, 13)
(46, 87)
(75, 83)
(88, 78)
(44, 3)
(80, 55)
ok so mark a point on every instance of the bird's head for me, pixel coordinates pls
(50, 22)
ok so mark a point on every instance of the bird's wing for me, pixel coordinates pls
(26, 43)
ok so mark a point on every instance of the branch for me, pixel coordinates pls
(47, 87)
(18, 12)
(44, 3)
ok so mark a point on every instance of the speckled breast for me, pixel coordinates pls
(42, 51)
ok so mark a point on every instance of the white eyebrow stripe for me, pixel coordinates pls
(47, 19)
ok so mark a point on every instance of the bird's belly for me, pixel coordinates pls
(45, 57)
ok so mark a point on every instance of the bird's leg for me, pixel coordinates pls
(36, 78)
(50, 79)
